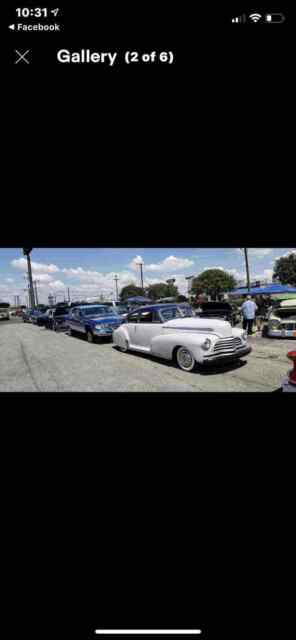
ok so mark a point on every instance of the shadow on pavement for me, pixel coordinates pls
(199, 369)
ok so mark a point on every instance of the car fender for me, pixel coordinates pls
(120, 334)
(163, 346)
(237, 333)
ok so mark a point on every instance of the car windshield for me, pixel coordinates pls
(120, 308)
(97, 311)
(186, 311)
(61, 311)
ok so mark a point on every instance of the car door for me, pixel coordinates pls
(149, 326)
(131, 326)
(76, 321)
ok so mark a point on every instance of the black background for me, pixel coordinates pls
(149, 511)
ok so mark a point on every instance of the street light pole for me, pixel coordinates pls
(32, 297)
(247, 269)
(141, 273)
(116, 286)
(31, 287)
(36, 291)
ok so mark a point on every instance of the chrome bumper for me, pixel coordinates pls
(227, 357)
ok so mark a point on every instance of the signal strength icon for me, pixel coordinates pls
(255, 17)
(239, 18)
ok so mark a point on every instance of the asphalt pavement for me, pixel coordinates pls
(34, 359)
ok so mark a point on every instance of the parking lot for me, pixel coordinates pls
(35, 359)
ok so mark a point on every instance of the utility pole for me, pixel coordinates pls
(32, 297)
(69, 299)
(36, 291)
(116, 286)
(141, 273)
(247, 269)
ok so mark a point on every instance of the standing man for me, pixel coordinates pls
(249, 309)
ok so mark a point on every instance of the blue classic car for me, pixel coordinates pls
(94, 321)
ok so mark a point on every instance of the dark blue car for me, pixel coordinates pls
(55, 318)
(94, 321)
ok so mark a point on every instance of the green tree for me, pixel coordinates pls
(285, 270)
(162, 290)
(131, 290)
(213, 282)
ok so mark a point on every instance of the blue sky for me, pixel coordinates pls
(90, 272)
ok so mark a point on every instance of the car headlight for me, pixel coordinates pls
(101, 326)
(275, 324)
(206, 345)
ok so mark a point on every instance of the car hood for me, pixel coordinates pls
(219, 327)
(103, 319)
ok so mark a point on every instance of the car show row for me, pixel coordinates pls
(171, 331)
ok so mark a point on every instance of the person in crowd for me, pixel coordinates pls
(261, 312)
(249, 309)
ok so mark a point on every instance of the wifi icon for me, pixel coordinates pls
(255, 17)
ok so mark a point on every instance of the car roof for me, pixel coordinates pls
(90, 306)
(288, 303)
(156, 307)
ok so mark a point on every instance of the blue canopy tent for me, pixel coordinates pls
(269, 290)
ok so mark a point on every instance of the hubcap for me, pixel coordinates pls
(185, 358)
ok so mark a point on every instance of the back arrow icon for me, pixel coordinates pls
(11, 26)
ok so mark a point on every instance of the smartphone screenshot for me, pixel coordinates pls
(146, 142)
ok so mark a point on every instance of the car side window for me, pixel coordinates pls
(133, 317)
(146, 316)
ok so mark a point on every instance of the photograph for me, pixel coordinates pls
(148, 319)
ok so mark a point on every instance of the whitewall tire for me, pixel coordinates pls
(185, 359)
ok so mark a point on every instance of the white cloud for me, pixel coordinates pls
(9, 280)
(134, 264)
(171, 263)
(56, 284)
(256, 253)
(37, 267)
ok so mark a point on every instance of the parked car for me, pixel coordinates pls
(94, 321)
(4, 312)
(163, 331)
(222, 310)
(37, 313)
(19, 313)
(282, 320)
(27, 315)
(55, 318)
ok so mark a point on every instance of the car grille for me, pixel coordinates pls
(228, 345)
(291, 326)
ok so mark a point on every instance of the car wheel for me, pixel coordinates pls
(124, 348)
(185, 359)
(90, 337)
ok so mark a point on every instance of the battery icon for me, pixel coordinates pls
(276, 18)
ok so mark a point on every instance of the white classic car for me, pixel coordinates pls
(172, 332)
(282, 320)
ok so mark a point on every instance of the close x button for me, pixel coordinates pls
(21, 56)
